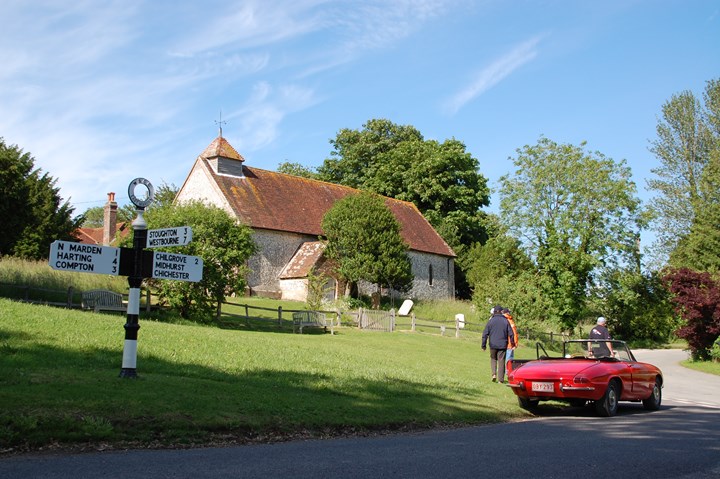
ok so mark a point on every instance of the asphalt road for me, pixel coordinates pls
(681, 440)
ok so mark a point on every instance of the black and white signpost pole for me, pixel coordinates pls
(129, 361)
(136, 263)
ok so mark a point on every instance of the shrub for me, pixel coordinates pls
(696, 298)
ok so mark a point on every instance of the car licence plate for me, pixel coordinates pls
(543, 387)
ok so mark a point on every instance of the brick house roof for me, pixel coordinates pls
(276, 201)
(95, 235)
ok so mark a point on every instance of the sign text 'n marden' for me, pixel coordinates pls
(84, 258)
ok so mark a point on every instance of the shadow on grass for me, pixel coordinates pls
(53, 395)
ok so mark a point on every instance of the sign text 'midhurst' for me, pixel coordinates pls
(177, 266)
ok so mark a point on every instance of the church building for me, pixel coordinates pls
(285, 213)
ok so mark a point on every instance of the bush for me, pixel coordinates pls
(696, 298)
(715, 352)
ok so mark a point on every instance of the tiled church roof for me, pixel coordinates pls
(276, 201)
(221, 148)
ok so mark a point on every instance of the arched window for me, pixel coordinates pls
(430, 275)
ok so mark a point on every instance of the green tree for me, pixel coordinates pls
(638, 305)
(699, 249)
(32, 212)
(363, 239)
(441, 179)
(575, 212)
(357, 154)
(501, 272)
(688, 137)
(696, 299)
(164, 196)
(224, 247)
(296, 169)
(316, 283)
(95, 217)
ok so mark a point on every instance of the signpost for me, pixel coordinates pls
(134, 262)
(177, 266)
(84, 258)
(169, 237)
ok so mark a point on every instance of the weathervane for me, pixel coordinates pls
(220, 123)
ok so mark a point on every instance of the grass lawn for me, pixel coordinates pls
(60, 385)
(704, 366)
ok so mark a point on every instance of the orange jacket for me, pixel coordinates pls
(514, 329)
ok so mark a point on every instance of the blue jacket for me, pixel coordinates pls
(499, 331)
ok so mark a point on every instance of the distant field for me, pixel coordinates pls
(199, 384)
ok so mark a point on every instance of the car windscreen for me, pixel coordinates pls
(597, 349)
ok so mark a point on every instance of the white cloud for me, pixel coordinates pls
(259, 118)
(252, 24)
(494, 74)
(98, 90)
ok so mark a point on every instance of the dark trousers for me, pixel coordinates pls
(497, 363)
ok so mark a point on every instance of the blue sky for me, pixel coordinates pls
(101, 92)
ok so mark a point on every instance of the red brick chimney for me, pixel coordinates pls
(109, 220)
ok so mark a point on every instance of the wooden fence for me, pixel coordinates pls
(279, 319)
(365, 319)
(373, 320)
(64, 298)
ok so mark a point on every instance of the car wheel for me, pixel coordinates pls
(607, 405)
(528, 404)
(653, 402)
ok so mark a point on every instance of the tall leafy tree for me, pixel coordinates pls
(637, 303)
(224, 247)
(32, 212)
(699, 248)
(164, 196)
(688, 137)
(441, 179)
(363, 240)
(296, 169)
(357, 153)
(95, 216)
(500, 272)
(575, 212)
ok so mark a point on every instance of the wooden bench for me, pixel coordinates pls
(103, 300)
(311, 319)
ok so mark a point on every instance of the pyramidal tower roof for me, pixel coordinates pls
(221, 148)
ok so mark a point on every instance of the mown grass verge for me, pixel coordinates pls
(60, 385)
(709, 367)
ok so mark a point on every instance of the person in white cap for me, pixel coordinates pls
(600, 331)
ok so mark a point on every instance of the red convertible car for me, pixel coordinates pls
(600, 371)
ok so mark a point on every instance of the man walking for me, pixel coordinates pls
(499, 334)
